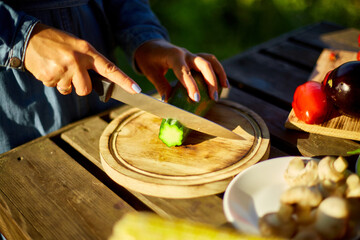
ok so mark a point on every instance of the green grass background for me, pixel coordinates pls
(228, 27)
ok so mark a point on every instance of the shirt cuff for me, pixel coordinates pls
(136, 39)
(16, 55)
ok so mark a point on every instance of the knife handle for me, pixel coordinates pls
(101, 85)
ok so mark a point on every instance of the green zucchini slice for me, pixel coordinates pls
(172, 132)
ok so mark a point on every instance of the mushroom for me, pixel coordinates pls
(271, 225)
(332, 218)
(353, 186)
(306, 234)
(332, 174)
(353, 200)
(332, 169)
(300, 173)
(305, 199)
(285, 212)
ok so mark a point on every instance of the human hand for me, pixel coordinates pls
(155, 58)
(59, 59)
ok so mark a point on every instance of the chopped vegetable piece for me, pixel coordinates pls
(172, 132)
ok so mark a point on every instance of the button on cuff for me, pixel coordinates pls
(15, 62)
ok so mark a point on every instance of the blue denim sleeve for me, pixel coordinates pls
(15, 29)
(133, 23)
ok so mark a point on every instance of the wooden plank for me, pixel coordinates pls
(59, 198)
(250, 69)
(85, 132)
(9, 228)
(294, 53)
(267, 75)
(275, 152)
(169, 208)
(299, 35)
(330, 36)
(18, 219)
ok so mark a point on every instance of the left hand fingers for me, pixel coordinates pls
(82, 82)
(64, 86)
(183, 73)
(218, 68)
(204, 66)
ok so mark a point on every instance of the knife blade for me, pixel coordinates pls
(107, 89)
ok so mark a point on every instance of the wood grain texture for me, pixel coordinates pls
(202, 209)
(56, 196)
(337, 125)
(85, 138)
(9, 228)
(267, 75)
(133, 156)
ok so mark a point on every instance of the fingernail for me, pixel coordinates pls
(136, 88)
(227, 83)
(196, 97)
(163, 98)
(216, 96)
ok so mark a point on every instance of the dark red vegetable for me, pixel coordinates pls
(310, 103)
(342, 87)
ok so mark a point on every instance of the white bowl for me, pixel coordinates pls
(255, 192)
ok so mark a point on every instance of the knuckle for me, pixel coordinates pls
(49, 84)
(185, 71)
(210, 56)
(110, 68)
(84, 46)
(83, 91)
(48, 79)
(178, 51)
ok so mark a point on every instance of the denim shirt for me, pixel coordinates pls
(28, 109)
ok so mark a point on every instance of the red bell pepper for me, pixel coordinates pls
(310, 103)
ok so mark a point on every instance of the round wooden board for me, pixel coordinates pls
(133, 155)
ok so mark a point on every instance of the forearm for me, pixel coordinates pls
(15, 30)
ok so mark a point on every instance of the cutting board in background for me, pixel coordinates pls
(134, 157)
(338, 125)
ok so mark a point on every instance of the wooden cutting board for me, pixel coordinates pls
(134, 157)
(337, 125)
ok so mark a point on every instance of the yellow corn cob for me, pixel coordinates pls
(147, 226)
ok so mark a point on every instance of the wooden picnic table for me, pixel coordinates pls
(55, 188)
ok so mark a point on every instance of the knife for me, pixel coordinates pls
(107, 89)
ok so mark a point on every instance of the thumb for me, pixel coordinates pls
(161, 84)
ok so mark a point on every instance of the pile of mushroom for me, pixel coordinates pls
(322, 202)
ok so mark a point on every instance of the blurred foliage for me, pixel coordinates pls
(228, 27)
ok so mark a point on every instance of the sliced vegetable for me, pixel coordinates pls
(310, 103)
(172, 132)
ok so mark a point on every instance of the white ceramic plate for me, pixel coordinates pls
(255, 192)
